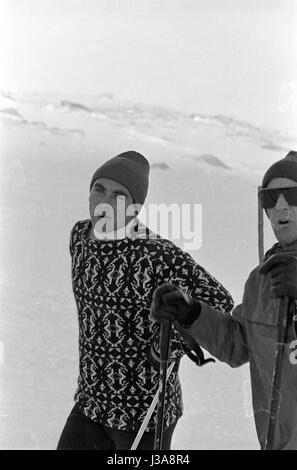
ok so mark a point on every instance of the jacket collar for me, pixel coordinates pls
(279, 248)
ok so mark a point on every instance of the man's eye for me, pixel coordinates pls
(99, 190)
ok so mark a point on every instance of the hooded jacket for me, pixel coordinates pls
(249, 335)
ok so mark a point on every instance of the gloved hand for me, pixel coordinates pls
(282, 269)
(170, 303)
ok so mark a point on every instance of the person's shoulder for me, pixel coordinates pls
(253, 280)
(154, 239)
(255, 275)
(79, 226)
(76, 234)
(167, 250)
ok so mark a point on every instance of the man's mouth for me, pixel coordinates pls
(100, 214)
(282, 224)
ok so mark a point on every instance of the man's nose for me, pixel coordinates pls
(103, 198)
(106, 199)
(281, 203)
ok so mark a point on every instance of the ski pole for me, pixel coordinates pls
(150, 412)
(165, 333)
(277, 372)
(260, 230)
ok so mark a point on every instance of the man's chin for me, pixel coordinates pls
(106, 228)
(104, 231)
(102, 224)
(285, 239)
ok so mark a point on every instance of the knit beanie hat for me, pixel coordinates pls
(285, 168)
(131, 169)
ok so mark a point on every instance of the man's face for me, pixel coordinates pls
(283, 217)
(108, 203)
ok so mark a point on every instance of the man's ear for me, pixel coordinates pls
(133, 210)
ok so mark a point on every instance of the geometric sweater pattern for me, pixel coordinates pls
(113, 282)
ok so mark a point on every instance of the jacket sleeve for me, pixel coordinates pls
(224, 334)
(221, 334)
(180, 269)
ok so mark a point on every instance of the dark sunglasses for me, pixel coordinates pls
(269, 197)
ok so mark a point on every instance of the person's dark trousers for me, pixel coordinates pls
(81, 433)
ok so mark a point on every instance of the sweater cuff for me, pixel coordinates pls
(192, 315)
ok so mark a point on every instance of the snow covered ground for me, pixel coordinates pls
(213, 154)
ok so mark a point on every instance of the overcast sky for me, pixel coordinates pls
(234, 57)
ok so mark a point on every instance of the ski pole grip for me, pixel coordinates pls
(165, 340)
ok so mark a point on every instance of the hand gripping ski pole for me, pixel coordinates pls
(165, 334)
(284, 305)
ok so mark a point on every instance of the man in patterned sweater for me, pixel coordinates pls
(117, 263)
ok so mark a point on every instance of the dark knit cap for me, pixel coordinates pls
(131, 169)
(285, 168)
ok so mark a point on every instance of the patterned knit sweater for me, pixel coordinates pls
(113, 283)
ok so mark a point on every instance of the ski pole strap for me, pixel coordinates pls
(197, 356)
(194, 351)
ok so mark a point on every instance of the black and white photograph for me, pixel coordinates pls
(148, 227)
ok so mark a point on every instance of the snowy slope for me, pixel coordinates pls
(51, 146)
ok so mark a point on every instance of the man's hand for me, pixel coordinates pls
(282, 269)
(170, 303)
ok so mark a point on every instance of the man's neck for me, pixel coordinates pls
(119, 234)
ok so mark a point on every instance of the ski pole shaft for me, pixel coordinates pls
(260, 230)
(277, 372)
(164, 357)
(149, 412)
